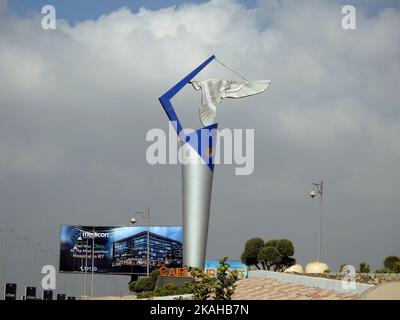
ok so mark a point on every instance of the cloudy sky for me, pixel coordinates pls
(76, 103)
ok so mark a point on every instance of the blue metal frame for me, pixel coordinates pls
(196, 139)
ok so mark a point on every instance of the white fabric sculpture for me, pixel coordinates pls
(213, 90)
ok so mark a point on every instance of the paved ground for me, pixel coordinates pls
(130, 297)
(271, 289)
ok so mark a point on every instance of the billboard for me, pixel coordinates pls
(47, 295)
(10, 291)
(211, 266)
(30, 293)
(121, 250)
(61, 296)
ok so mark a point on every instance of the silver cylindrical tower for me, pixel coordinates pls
(197, 180)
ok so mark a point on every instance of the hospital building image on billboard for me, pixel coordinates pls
(132, 251)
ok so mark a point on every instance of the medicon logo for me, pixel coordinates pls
(92, 235)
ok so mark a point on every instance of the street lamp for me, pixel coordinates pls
(319, 191)
(34, 265)
(45, 252)
(145, 215)
(3, 255)
(21, 240)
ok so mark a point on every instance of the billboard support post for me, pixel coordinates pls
(93, 234)
(20, 260)
(81, 266)
(86, 265)
(148, 242)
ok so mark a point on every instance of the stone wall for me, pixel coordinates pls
(369, 278)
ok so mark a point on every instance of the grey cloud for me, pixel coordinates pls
(76, 104)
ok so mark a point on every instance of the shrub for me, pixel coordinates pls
(187, 287)
(169, 289)
(132, 286)
(390, 261)
(396, 267)
(342, 266)
(145, 284)
(155, 273)
(382, 270)
(145, 294)
(225, 286)
(201, 286)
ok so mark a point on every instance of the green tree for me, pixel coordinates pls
(396, 267)
(342, 266)
(390, 261)
(225, 286)
(272, 243)
(285, 247)
(285, 250)
(363, 268)
(269, 257)
(251, 250)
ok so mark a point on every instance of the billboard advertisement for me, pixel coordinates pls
(30, 293)
(121, 250)
(61, 296)
(10, 291)
(211, 266)
(47, 295)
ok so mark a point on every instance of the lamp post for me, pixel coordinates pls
(45, 253)
(3, 253)
(313, 194)
(145, 215)
(21, 240)
(34, 246)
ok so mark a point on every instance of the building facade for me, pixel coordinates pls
(132, 251)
